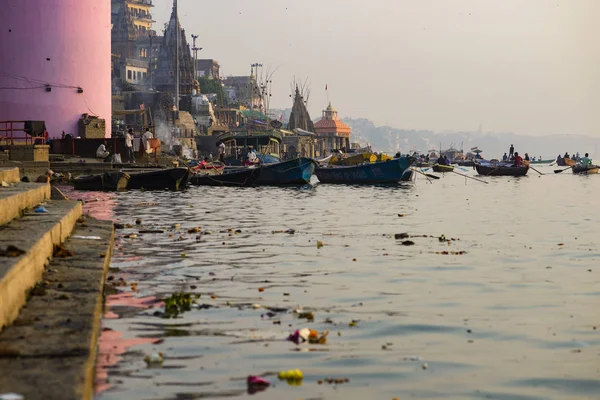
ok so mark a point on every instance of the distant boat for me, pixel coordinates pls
(565, 162)
(501, 170)
(390, 171)
(542, 161)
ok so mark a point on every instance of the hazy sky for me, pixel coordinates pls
(525, 66)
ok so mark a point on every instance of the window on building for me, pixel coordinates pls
(145, 74)
(139, 76)
(129, 74)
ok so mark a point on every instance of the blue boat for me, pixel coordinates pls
(292, 172)
(390, 171)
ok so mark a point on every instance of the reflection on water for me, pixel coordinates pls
(507, 310)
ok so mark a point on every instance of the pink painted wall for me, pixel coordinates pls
(62, 43)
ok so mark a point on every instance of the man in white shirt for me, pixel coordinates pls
(147, 136)
(252, 159)
(129, 144)
(102, 152)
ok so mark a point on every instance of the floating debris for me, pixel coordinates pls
(403, 235)
(177, 304)
(154, 360)
(257, 384)
(291, 375)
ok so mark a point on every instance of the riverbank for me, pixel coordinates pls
(53, 263)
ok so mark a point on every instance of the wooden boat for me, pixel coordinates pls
(566, 162)
(292, 172)
(465, 163)
(588, 170)
(172, 179)
(442, 168)
(240, 178)
(541, 161)
(210, 169)
(501, 170)
(390, 171)
(109, 181)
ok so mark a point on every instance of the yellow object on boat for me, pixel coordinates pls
(354, 160)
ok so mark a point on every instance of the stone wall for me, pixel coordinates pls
(37, 152)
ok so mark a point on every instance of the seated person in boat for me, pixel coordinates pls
(101, 152)
(446, 161)
(441, 161)
(504, 157)
(518, 160)
(586, 161)
(526, 157)
(251, 157)
(566, 155)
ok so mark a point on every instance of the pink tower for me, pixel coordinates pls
(55, 61)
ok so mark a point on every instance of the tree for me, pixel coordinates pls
(208, 85)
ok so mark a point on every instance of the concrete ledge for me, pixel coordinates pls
(15, 199)
(49, 352)
(9, 175)
(36, 234)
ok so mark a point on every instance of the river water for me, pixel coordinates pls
(506, 310)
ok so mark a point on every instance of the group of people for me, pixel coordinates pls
(575, 156)
(103, 153)
(514, 157)
(250, 159)
(443, 160)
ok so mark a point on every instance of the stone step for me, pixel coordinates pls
(35, 235)
(20, 196)
(9, 175)
(50, 350)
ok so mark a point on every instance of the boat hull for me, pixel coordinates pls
(581, 170)
(239, 178)
(171, 179)
(566, 162)
(465, 163)
(292, 172)
(390, 171)
(442, 168)
(501, 170)
(107, 182)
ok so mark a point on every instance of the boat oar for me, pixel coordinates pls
(470, 177)
(558, 171)
(427, 175)
(535, 170)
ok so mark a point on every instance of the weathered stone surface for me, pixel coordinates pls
(36, 234)
(19, 196)
(49, 351)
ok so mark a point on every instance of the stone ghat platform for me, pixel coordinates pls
(53, 263)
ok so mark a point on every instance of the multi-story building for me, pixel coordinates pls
(208, 68)
(135, 45)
